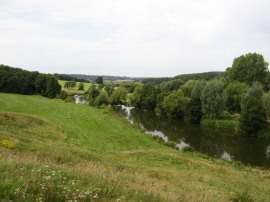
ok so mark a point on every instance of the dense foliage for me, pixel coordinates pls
(99, 80)
(252, 117)
(15, 80)
(232, 96)
(248, 69)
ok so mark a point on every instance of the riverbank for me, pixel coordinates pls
(66, 151)
(232, 126)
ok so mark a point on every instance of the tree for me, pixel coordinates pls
(169, 86)
(99, 80)
(233, 95)
(252, 116)
(144, 96)
(63, 95)
(101, 99)
(266, 103)
(118, 96)
(81, 86)
(193, 113)
(212, 99)
(248, 69)
(188, 87)
(109, 89)
(41, 84)
(53, 87)
(135, 97)
(175, 104)
(93, 91)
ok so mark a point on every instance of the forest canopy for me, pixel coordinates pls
(15, 80)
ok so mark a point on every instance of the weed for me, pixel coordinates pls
(8, 144)
(240, 197)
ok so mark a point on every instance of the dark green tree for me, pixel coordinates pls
(233, 95)
(212, 99)
(81, 86)
(248, 69)
(53, 87)
(63, 95)
(93, 91)
(99, 80)
(266, 103)
(252, 116)
(41, 85)
(193, 112)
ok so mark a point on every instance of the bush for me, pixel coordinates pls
(69, 99)
(188, 149)
(63, 95)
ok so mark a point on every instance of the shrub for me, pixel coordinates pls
(188, 149)
(63, 95)
(69, 99)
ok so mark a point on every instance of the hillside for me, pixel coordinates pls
(64, 151)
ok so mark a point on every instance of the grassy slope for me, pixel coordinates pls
(86, 149)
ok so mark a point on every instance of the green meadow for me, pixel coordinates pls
(56, 151)
(74, 90)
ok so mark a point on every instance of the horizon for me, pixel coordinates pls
(144, 38)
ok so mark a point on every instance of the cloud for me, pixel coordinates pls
(134, 38)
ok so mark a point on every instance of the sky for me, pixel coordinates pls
(137, 38)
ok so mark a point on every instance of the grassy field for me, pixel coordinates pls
(56, 151)
(74, 90)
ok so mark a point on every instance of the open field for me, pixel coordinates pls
(74, 90)
(56, 151)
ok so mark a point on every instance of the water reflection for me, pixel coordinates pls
(226, 156)
(248, 150)
(79, 99)
(268, 152)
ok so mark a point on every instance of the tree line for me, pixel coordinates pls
(241, 92)
(16, 80)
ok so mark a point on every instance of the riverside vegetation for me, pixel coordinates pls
(66, 152)
(57, 151)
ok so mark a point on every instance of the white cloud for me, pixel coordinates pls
(134, 38)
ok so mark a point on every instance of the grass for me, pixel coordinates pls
(72, 91)
(64, 151)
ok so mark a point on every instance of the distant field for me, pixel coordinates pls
(64, 151)
(74, 90)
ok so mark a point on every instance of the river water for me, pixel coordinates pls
(248, 150)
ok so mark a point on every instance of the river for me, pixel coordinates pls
(216, 143)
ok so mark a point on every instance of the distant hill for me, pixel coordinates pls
(186, 77)
(107, 78)
(200, 76)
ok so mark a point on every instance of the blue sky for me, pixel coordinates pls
(131, 38)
